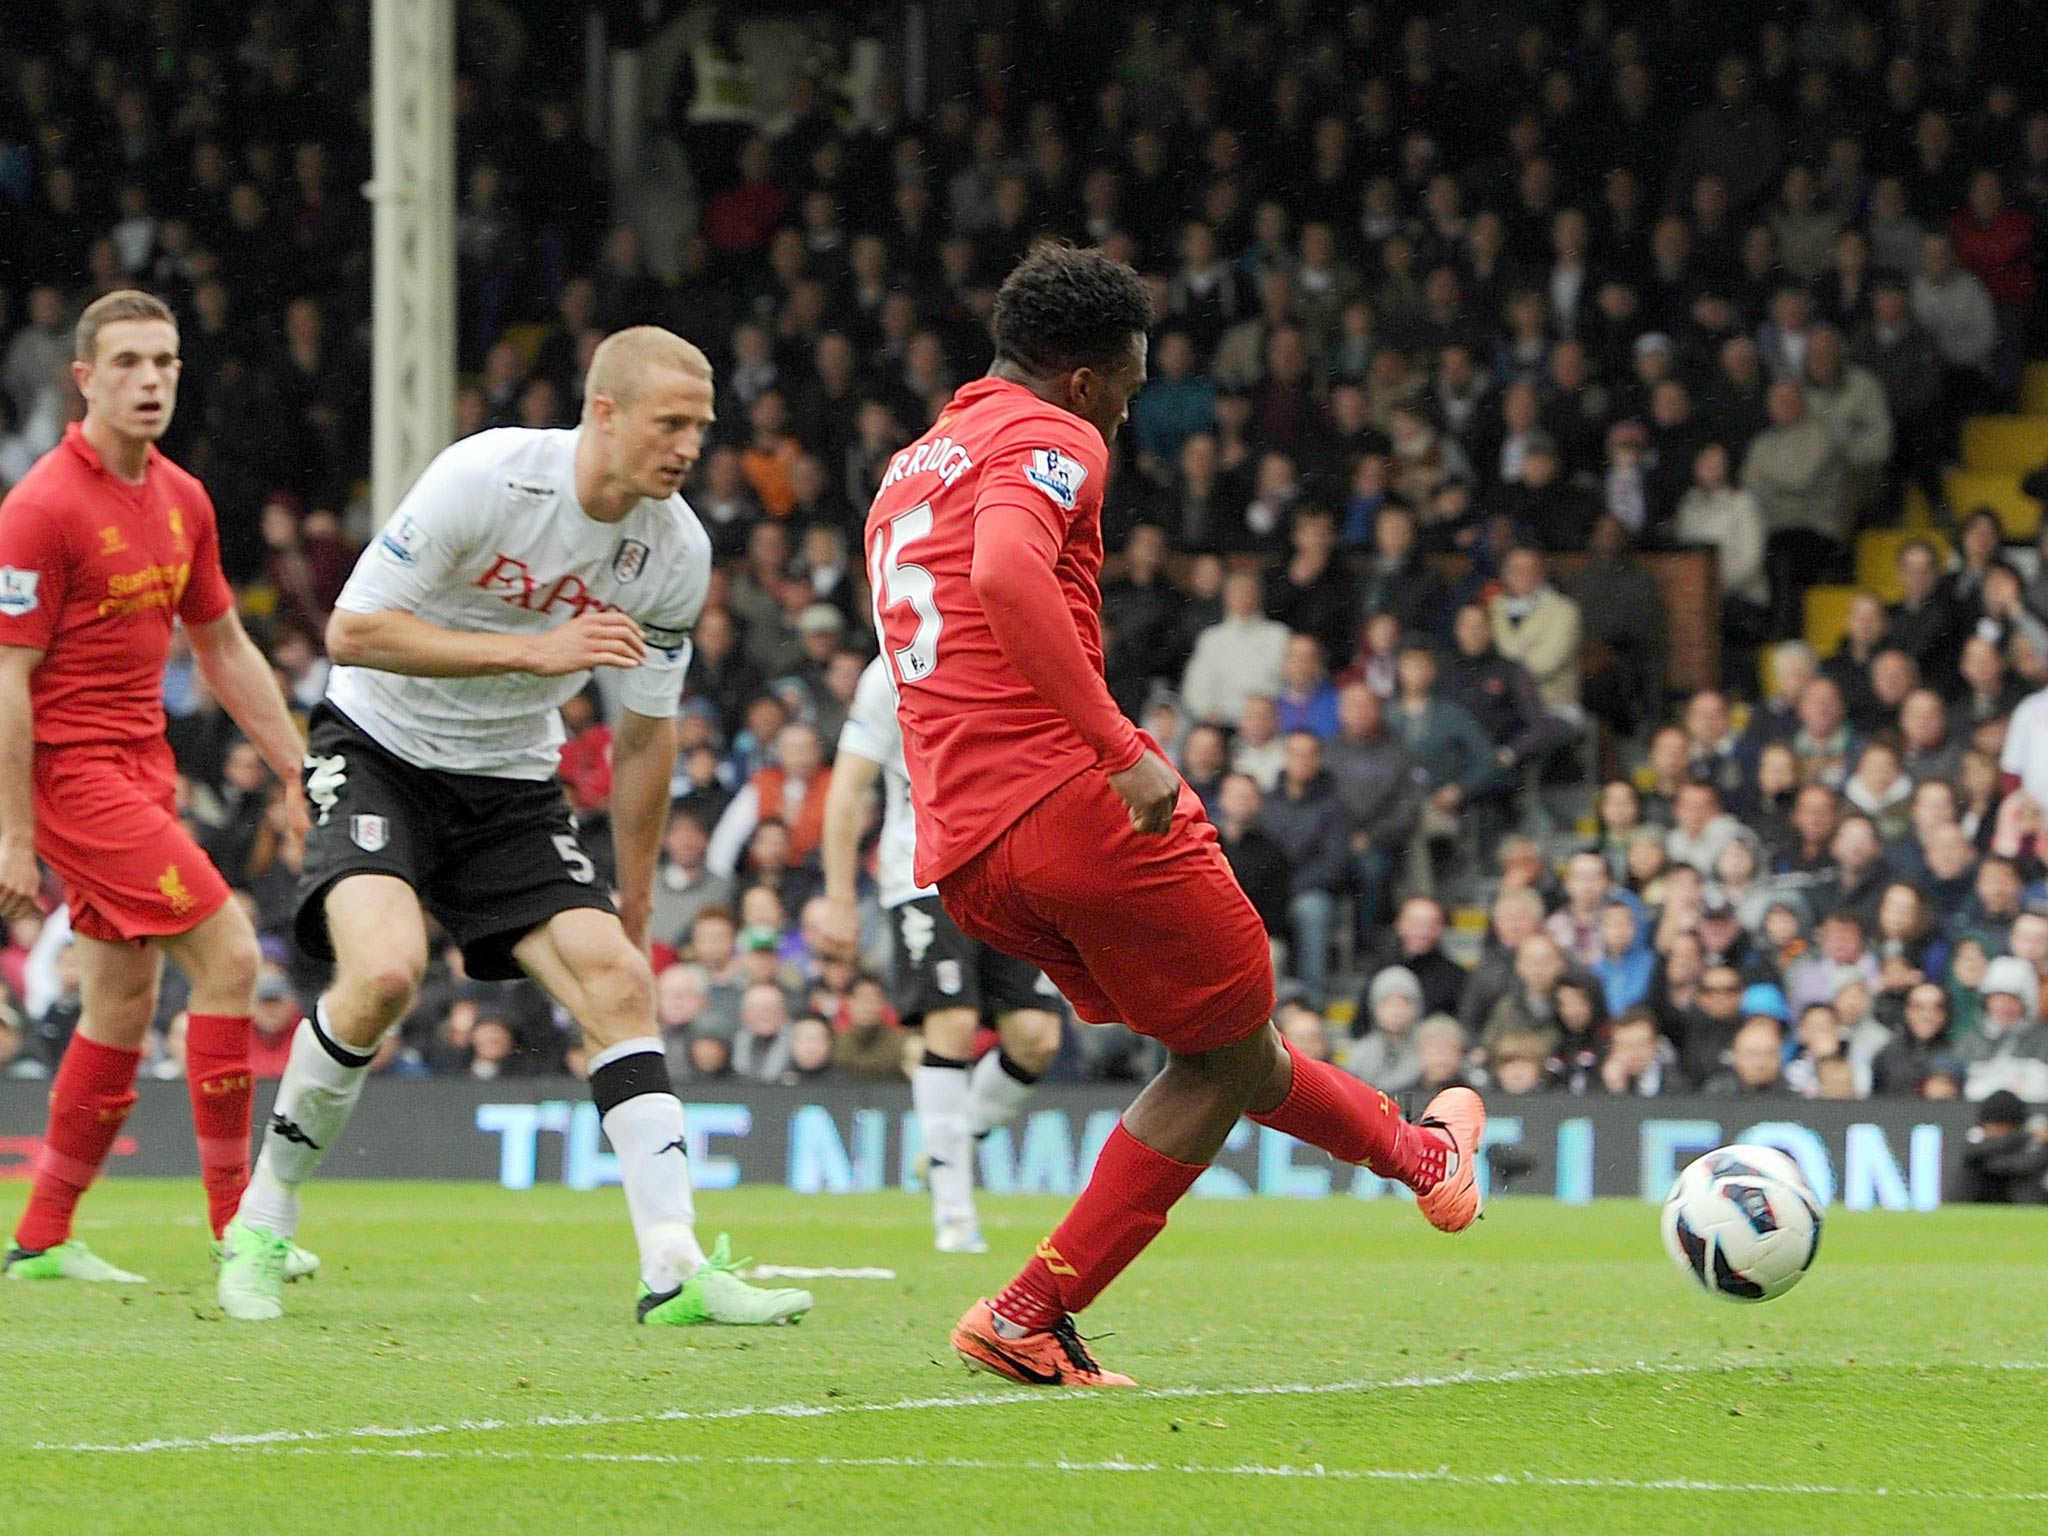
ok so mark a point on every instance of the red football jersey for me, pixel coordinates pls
(92, 571)
(981, 743)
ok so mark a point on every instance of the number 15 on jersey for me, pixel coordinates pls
(896, 584)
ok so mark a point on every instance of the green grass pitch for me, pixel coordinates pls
(467, 1362)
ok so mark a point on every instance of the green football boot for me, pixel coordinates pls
(252, 1273)
(70, 1260)
(716, 1294)
(299, 1264)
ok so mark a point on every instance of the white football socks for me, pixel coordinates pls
(939, 1093)
(996, 1092)
(323, 1079)
(643, 1119)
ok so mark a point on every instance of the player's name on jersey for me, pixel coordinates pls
(941, 455)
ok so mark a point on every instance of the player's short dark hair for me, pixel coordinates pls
(1062, 308)
(121, 304)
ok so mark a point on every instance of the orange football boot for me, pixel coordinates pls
(1454, 1203)
(1053, 1358)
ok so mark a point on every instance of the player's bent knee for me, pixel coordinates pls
(1032, 1037)
(383, 988)
(618, 992)
(950, 1032)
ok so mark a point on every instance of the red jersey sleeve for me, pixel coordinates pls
(207, 593)
(1029, 496)
(35, 572)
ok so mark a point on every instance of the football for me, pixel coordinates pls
(1743, 1223)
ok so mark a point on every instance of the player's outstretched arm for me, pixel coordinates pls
(1014, 578)
(246, 685)
(391, 641)
(846, 803)
(20, 880)
(643, 762)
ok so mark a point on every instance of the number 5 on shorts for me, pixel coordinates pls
(581, 870)
(896, 583)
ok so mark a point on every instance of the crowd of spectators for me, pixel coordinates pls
(1456, 316)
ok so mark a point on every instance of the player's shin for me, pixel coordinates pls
(997, 1089)
(643, 1120)
(1123, 1208)
(323, 1079)
(217, 1077)
(1356, 1123)
(939, 1090)
(89, 1101)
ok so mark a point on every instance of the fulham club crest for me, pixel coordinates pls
(630, 561)
(369, 833)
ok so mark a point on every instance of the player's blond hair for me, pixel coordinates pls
(121, 304)
(619, 366)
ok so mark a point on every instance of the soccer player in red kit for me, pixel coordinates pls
(103, 544)
(1056, 831)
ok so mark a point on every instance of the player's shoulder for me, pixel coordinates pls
(1014, 418)
(50, 485)
(536, 452)
(180, 481)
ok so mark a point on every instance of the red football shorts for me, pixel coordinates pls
(1153, 932)
(107, 823)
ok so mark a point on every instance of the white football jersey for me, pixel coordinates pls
(491, 539)
(872, 731)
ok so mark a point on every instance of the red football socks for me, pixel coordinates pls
(1123, 1208)
(217, 1076)
(1355, 1123)
(91, 1097)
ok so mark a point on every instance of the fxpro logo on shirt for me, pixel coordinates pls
(1057, 475)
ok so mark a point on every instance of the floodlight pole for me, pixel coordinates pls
(412, 196)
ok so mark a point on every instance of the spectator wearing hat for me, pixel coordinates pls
(1755, 1067)
(272, 1023)
(2010, 1048)
(2006, 1159)
(1383, 1051)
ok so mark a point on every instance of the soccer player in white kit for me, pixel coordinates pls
(945, 981)
(519, 561)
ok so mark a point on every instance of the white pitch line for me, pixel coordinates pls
(572, 1420)
(1315, 1471)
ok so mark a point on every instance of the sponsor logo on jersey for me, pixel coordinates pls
(112, 542)
(401, 540)
(630, 561)
(18, 591)
(1057, 475)
(177, 895)
(369, 833)
(154, 586)
(512, 579)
